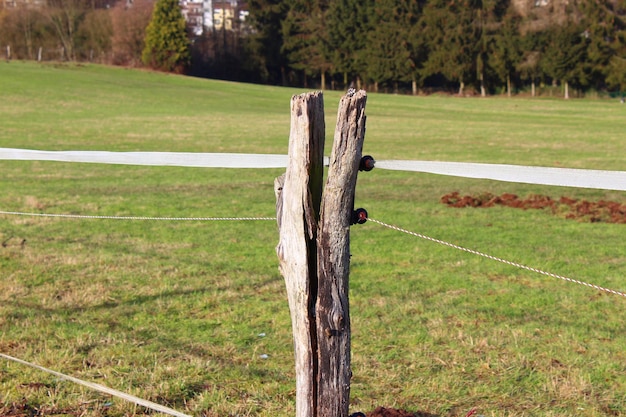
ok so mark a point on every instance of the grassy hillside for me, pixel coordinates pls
(182, 313)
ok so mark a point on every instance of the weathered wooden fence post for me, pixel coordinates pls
(298, 196)
(333, 258)
(314, 249)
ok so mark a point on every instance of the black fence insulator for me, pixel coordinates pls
(359, 216)
(367, 163)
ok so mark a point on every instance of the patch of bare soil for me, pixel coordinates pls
(581, 210)
(24, 409)
(392, 412)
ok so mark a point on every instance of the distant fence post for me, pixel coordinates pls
(314, 249)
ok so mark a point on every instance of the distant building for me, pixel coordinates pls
(207, 10)
(200, 15)
(6, 4)
(223, 15)
(193, 12)
(204, 15)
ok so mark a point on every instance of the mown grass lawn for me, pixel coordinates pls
(194, 315)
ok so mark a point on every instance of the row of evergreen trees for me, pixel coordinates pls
(488, 45)
(482, 46)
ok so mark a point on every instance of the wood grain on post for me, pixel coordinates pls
(314, 249)
(333, 258)
(298, 195)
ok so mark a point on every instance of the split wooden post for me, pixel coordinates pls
(333, 258)
(314, 249)
(298, 197)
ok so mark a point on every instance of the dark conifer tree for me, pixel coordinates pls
(600, 25)
(266, 42)
(616, 67)
(506, 51)
(452, 38)
(306, 39)
(348, 24)
(564, 59)
(532, 47)
(393, 53)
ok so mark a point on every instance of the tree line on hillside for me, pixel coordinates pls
(462, 46)
(486, 46)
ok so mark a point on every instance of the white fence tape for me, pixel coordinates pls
(566, 177)
(101, 217)
(180, 159)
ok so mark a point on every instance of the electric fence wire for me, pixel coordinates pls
(97, 387)
(170, 411)
(399, 229)
(497, 259)
(101, 388)
(608, 180)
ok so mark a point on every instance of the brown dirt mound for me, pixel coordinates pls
(582, 210)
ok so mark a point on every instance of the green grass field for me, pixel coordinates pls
(181, 313)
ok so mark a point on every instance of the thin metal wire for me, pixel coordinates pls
(495, 258)
(81, 216)
(101, 388)
(98, 387)
(441, 242)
